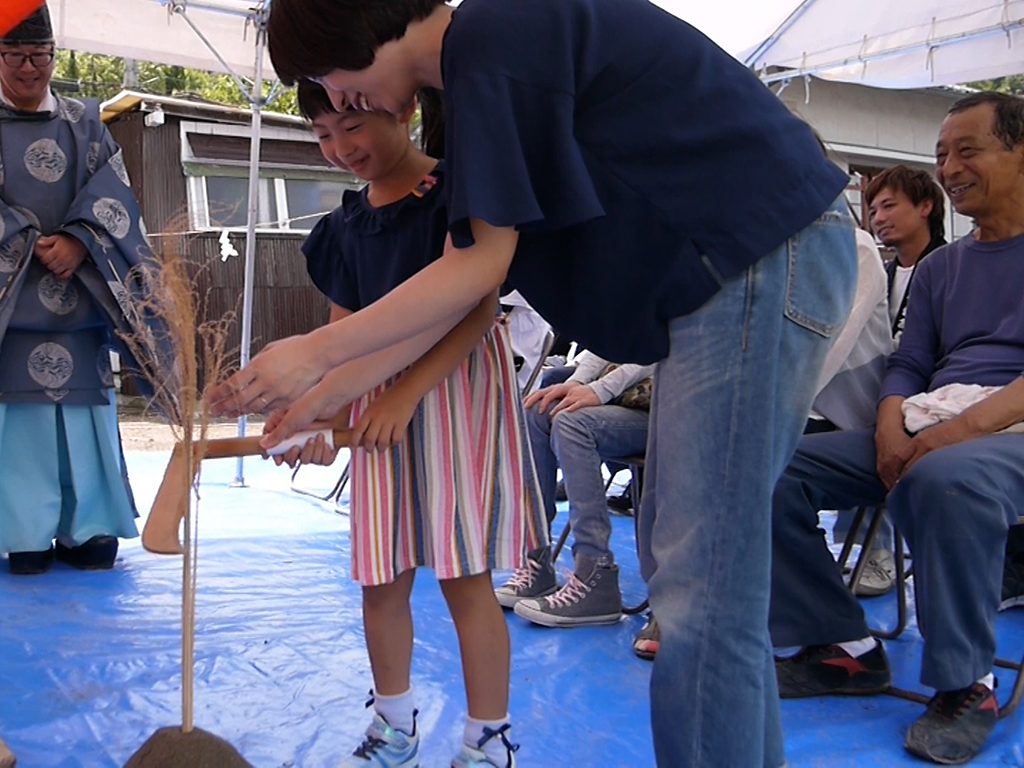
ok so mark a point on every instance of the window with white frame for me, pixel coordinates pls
(297, 187)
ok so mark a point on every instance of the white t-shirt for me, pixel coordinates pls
(899, 290)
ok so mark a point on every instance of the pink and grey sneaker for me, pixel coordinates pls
(476, 757)
(535, 579)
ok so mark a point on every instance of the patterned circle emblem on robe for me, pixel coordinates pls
(117, 163)
(92, 158)
(71, 110)
(11, 254)
(50, 365)
(103, 366)
(58, 296)
(46, 161)
(113, 216)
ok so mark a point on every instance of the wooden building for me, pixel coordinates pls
(189, 164)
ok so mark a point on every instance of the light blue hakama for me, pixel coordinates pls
(61, 475)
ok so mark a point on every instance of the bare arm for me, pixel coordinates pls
(991, 415)
(445, 291)
(448, 354)
(452, 284)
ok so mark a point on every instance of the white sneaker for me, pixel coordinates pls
(879, 575)
(473, 757)
(385, 747)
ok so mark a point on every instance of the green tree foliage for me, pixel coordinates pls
(102, 77)
(1012, 84)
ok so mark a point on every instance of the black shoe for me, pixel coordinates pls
(560, 494)
(30, 563)
(1013, 570)
(97, 554)
(623, 504)
(828, 670)
(955, 726)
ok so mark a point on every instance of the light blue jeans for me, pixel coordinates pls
(730, 403)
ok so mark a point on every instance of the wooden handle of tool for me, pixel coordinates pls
(233, 447)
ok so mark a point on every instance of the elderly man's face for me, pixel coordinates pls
(26, 71)
(975, 167)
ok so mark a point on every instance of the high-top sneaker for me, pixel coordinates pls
(587, 598)
(535, 579)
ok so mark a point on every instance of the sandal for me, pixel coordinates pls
(645, 644)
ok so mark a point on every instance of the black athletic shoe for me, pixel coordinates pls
(97, 554)
(828, 670)
(1013, 570)
(560, 494)
(30, 563)
(622, 504)
(955, 726)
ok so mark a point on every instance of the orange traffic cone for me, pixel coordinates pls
(13, 12)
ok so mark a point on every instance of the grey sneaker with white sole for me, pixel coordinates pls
(586, 599)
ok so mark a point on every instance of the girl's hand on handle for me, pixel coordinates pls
(326, 402)
(278, 376)
(385, 421)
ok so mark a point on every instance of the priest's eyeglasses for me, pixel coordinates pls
(16, 59)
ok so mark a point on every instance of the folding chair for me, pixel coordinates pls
(636, 468)
(1016, 693)
(334, 495)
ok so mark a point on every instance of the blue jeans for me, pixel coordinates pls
(730, 403)
(954, 507)
(579, 442)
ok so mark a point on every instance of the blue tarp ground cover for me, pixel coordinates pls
(89, 662)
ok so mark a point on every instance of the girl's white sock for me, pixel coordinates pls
(494, 748)
(397, 710)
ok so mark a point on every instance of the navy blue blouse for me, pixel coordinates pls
(358, 253)
(642, 165)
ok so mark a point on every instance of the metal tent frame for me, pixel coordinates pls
(256, 16)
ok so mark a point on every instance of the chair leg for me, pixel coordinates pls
(561, 543)
(635, 493)
(1017, 694)
(851, 537)
(333, 495)
(901, 591)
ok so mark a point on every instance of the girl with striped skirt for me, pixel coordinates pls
(443, 475)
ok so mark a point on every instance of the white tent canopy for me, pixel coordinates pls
(150, 30)
(904, 44)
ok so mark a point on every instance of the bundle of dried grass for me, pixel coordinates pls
(171, 360)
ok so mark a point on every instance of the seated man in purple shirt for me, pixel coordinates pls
(953, 489)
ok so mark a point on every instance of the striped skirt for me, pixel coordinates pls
(459, 494)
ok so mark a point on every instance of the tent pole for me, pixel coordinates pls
(256, 100)
(792, 19)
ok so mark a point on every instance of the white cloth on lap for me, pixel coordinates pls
(930, 408)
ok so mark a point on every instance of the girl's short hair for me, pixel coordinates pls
(313, 100)
(311, 38)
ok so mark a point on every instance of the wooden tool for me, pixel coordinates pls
(160, 534)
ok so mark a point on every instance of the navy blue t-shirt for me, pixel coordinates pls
(359, 253)
(642, 165)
